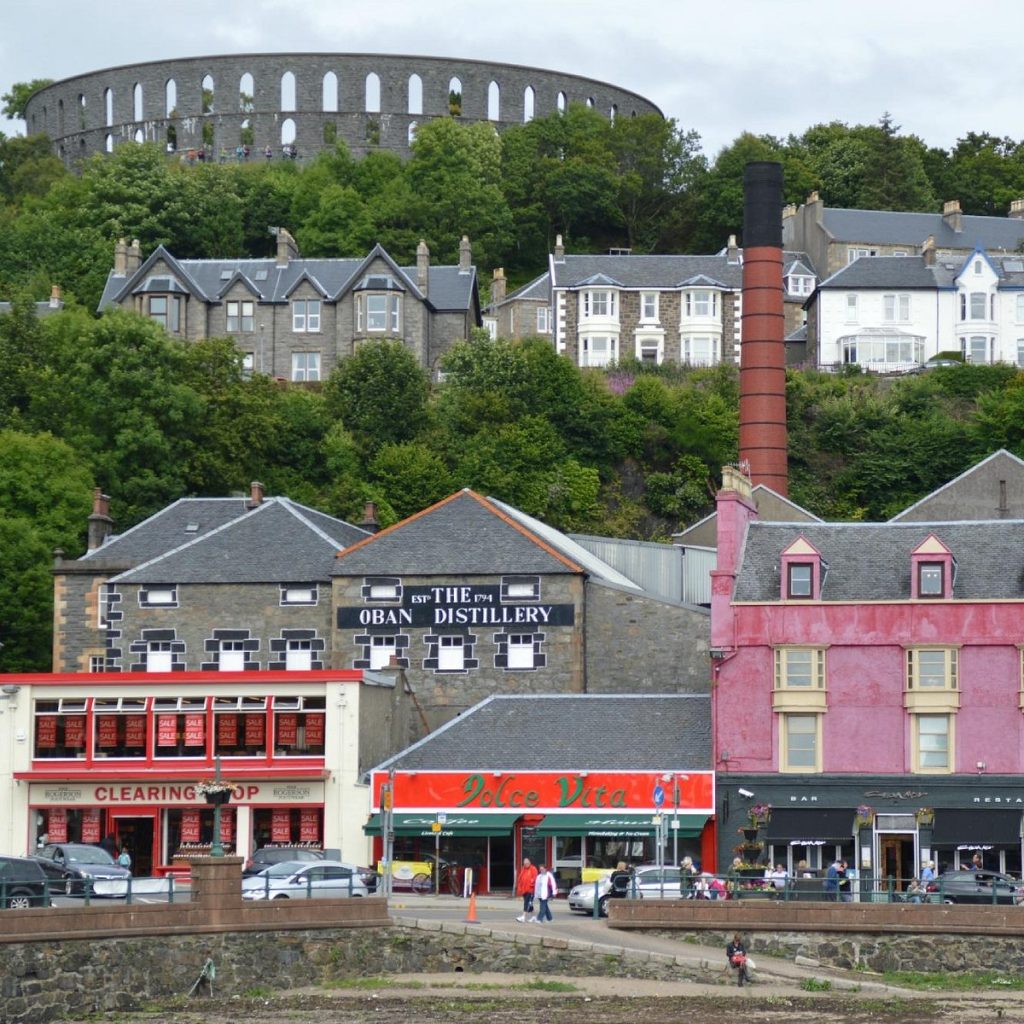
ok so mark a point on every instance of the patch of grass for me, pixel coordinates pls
(968, 981)
(816, 985)
(257, 992)
(540, 985)
(362, 983)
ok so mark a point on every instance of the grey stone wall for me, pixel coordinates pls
(73, 111)
(636, 644)
(76, 632)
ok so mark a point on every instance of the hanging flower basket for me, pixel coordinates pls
(865, 816)
(925, 816)
(749, 833)
(215, 791)
(760, 814)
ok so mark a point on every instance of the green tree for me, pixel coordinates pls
(17, 99)
(411, 476)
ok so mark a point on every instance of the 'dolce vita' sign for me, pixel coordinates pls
(540, 792)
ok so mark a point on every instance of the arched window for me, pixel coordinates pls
(138, 135)
(171, 98)
(529, 102)
(60, 117)
(246, 136)
(287, 131)
(590, 102)
(560, 102)
(455, 97)
(330, 133)
(330, 92)
(412, 132)
(415, 94)
(81, 112)
(288, 91)
(137, 102)
(108, 109)
(246, 93)
(172, 138)
(109, 143)
(372, 97)
(208, 94)
(613, 111)
(494, 102)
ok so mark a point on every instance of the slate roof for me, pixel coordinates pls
(463, 535)
(908, 272)
(41, 308)
(890, 228)
(277, 541)
(662, 272)
(448, 288)
(871, 561)
(547, 732)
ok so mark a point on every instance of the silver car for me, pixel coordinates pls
(648, 882)
(298, 880)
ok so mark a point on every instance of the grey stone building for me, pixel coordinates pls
(295, 318)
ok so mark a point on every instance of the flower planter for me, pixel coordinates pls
(221, 797)
(750, 833)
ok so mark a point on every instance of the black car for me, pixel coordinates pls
(975, 886)
(22, 883)
(74, 868)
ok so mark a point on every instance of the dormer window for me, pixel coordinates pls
(801, 567)
(929, 579)
(931, 570)
(599, 303)
(702, 302)
(800, 284)
(800, 579)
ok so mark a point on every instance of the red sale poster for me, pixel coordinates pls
(255, 730)
(106, 730)
(91, 825)
(309, 825)
(315, 729)
(227, 825)
(46, 731)
(74, 731)
(281, 825)
(166, 730)
(135, 730)
(287, 730)
(195, 730)
(57, 825)
(227, 730)
(190, 827)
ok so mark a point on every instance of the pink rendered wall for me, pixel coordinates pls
(866, 728)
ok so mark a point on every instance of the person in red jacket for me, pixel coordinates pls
(524, 887)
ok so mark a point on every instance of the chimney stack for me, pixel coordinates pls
(928, 251)
(559, 249)
(100, 523)
(370, 523)
(121, 257)
(286, 247)
(255, 495)
(498, 284)
(465, 255)
(952, 216)
(133, 258)
(55, 296)
(732, 250)
(422, 267)
(763, 440)
(1017, 209)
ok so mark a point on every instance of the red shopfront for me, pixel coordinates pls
(573, 821)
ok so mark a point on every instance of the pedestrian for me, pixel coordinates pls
(778, 877)
(803, 869)
(686, 877)
(109, 843)
(977, 864)
(736, 953)
(124, 858)
(928, 871)
(545, 890)
(845, 883)
(268, 153)
(524, 887)
(621, 880)
(915, 891)
(832, 881)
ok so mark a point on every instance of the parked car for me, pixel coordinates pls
(73, 867)
(974, 886)
(296, 879)
(267, 855)
(648, 882)
(22, 883)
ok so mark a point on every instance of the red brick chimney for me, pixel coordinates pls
(255, 495)
(763, 437)
(100, 523)
(370, 522)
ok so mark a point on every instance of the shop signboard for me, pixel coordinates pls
(195, 730)
(106, 730)
(148, 793)
(135, 730)
(166, 730)
(543, 792)
(91, 825)
(280, 825)
(74, 731)
(287, 730)
(57, 825)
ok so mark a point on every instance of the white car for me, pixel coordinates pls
(647, 883)
(298, 880)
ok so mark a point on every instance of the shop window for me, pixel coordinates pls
(180, 726)
(519, 651)
(190, 831)
(240, 726)
(299, 726)
(450, 652)
(59, 728)
(288, 826)
(119, 727)
(303, 594)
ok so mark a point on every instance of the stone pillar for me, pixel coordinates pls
(216, 886)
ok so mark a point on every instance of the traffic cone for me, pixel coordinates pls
(471, 917)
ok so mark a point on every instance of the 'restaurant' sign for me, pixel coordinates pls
(540, 792)
(424, 607)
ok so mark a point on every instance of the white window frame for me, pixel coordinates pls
(543, 320)
(852, 313)
(305, 366)
(693, 349)
(1020, 351)
(382, 649)
(298, 655)
(702, 304)
(587, 357)
(451, 652)
(1020, 307)
(520, 651)
(159, 656)
(649, 307)
(800, 284)
(301, 595)
(158, 597)
(231, 656)
(855, 253)
(306, 316)
(240, 315)
(896, 307)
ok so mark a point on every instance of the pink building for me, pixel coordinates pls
(868, 687)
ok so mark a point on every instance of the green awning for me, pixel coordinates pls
(456, 824)
(619, 826)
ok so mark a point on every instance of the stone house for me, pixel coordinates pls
(295, 318)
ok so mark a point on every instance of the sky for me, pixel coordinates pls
(766, 66)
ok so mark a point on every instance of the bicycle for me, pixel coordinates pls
(449, 880)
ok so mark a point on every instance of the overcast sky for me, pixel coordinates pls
(768, 66)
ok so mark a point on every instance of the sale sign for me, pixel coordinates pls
(91, 825)
(227, 730)
(106, 730)
(315, 729)
(227, 825)
(190, 831)
(195, 730)
(287, 730)
(135, 730)
(255, 730)
(166, 730)
(309, 825)
(46, 731)
(57, 825)
(74, 731)
(281, 825)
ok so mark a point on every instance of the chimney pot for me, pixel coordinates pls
(100, 523)
(133, 257)
(121, 257)
(370, 523)
(498, 285)
(559, 249)
(465, 255)
(55, 296)
(422, 266)
(286, 247)
(952, 216)
(255, 494)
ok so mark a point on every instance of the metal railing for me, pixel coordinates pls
(41, 893)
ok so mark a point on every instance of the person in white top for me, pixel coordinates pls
(544, 889)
